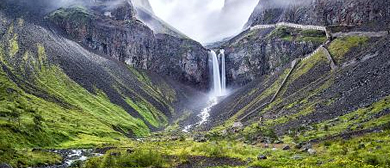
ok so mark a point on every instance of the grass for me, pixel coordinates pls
(370, 150)
(291, 34)
(341, 46)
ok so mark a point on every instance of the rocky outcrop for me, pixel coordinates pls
(258, 52)
(116, 32)
(366, 15)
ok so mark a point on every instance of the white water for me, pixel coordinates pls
(218, 90)
(217, 87)
(222, 55)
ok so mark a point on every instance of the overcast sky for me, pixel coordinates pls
(205, 20)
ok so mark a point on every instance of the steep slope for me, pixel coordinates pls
(57, 94)
(338, 89)
(144, 12)
(114, 31)
(365, 15)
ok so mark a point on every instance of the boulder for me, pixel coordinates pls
(311, 151)
(286, 147)
(261, 157)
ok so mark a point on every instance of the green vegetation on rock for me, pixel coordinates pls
(341, 46)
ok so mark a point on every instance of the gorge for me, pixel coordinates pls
(110, 83)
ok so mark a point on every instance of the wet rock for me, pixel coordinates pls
(286, 147)
(261, 157)
(104, 150)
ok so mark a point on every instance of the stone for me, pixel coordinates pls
(200, 138)
(129, 150)
(115, 154)
(286, 147)
(297, 157)
(261, 157)
(311, 151)
(5, 165)
(238, 125)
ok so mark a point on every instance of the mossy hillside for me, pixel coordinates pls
(359, 119)
(266, 93)
(31, 121)
(160, 91)
(292, 34)
(341, 46)
(75, 14)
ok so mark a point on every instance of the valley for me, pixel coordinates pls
(109, 84)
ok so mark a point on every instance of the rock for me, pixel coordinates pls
(286, 147)
(130, 41)
(274, 149)
(115, 154)
(311, 151)
(238, 125)
(307, 147)
(5, 165)
(261, 157)
(278, 142)
(129, 150)
(200, 138)
(297, 157)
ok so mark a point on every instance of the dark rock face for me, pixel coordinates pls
(252, 54)
(117, 33)
(370, 15)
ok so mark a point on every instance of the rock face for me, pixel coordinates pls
(114, 31)
(255, 53)
(368, 15)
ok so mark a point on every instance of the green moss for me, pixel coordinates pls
(13, 45)
(266, 93)
(154, 117)
(306, 65)
(41, 54)
(2, 54)
(356, 120)
(24, 158)
(341, 46)
(69, 115)
(75, 14)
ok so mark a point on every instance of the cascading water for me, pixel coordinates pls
(219, 86)
(223, 76)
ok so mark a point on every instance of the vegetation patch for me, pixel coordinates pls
(341, 46)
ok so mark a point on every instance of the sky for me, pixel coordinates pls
(205, 21)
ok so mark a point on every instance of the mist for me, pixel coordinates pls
(205, 21)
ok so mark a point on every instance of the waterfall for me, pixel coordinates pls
(219, 79)
(222, 55)
(217, 87)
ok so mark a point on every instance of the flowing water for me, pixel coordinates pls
(218, 87)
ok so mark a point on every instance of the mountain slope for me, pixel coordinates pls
(57, 93)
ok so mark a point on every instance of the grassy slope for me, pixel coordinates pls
(40, 106)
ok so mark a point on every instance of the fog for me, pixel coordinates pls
(205, 21)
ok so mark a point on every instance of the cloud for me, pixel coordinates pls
(205, 20)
